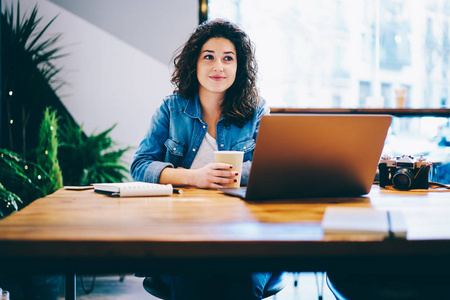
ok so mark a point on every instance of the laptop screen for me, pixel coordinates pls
(299, 156)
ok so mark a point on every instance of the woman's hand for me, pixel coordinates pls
(212, 176)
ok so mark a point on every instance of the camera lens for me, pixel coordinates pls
(403, 179)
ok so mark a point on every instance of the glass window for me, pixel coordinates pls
(355, 54)
(326, 53)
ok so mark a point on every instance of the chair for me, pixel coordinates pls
(155, 286)
(275, 284)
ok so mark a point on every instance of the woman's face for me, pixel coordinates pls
(216, 66)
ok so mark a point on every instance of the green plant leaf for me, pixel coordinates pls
(47, 150)
(8, 202)
(23, 178)
(96, 159)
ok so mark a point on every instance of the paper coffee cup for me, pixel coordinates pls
(234, 158)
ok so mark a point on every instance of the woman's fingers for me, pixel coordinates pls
(218, 173)
(221, 166)
(215, 175)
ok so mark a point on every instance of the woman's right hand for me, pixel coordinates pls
(212, 176)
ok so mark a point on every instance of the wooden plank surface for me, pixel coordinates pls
(199, 215)
(205, 224)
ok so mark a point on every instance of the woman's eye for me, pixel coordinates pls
(208, 57)
(228, 58)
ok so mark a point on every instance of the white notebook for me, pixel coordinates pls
(133, 189)
(353, 220)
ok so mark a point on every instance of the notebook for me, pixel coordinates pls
(299, 156)
(133, 189)
(364, 221)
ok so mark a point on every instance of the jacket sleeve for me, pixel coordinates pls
(261, 110)
(148, 161)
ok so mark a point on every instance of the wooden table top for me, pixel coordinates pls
(69, 227)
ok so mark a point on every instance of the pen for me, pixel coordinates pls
(177, 191)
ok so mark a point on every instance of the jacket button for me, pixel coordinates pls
(245, 147)
(193, 150)
(222, 145)
(174, 149)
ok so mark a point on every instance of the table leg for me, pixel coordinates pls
(71, 286)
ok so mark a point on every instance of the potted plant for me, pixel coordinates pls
(39, 154)
(29, 78)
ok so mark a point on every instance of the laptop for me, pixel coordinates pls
(305, 155)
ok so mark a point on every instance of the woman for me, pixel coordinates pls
(215, 106)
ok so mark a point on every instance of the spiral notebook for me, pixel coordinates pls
(133, 189)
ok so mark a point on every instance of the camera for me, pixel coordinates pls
(404, 172)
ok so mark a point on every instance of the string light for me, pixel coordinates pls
(10, 93)
(39, 177)
(51, 128)
(26, 167)
(11, 121)
(46, 152)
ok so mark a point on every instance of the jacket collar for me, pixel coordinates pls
(193, 108)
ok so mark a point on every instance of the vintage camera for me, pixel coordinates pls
(404, 172)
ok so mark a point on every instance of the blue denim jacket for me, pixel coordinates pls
(176, 131)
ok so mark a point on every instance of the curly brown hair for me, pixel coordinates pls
(242, 98)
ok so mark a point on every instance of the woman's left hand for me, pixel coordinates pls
(213, 175)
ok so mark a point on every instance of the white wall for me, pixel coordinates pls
(109, 80)
(152, 26)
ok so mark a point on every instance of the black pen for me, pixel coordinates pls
(177, 191)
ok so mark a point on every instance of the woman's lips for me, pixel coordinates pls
(217, 78)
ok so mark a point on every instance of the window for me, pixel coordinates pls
(326, 53)
(355, 54)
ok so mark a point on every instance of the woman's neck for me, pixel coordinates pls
(211, 109)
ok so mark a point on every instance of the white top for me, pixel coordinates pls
(205, 153)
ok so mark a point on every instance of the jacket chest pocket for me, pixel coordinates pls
(174, 148)
(246, 146)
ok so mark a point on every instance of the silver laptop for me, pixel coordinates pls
(302, 156)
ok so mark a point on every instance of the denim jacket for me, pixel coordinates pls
(176, 131)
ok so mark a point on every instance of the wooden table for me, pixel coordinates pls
(85, 232)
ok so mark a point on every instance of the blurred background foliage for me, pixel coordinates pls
(96, 157)
(42, 147)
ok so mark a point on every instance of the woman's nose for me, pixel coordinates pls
(218, 67)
